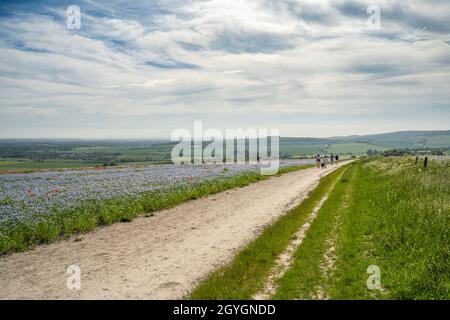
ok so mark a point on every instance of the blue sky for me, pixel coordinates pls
(140, 69)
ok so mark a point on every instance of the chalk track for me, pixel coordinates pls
(159, 257)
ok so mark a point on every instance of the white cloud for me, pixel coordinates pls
(151, 83)
(226, 62)
(232, 71)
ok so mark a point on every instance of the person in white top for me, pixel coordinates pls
(324, 162)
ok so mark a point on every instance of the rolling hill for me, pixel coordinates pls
(358, 145)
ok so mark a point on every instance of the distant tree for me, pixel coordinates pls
(372, 153)
(397, 153)
(437, 152)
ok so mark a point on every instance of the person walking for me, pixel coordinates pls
(336, 157)
(318, 161)
(323, 162)
(332, 159)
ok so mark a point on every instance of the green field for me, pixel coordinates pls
(302, 150)
(384, 212)
(21, 164)
(154, 153)
(129, 155)
(32, 155)
(353, 148)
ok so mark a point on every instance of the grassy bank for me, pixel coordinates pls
(24, 234)
(385, 212)
(389, 213)
(401, 214)
(246, 274)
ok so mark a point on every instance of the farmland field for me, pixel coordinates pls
(343, 149)
(24, 165)
(35, 155)
(38, 207)
(353, 148)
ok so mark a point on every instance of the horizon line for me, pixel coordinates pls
(168, 138)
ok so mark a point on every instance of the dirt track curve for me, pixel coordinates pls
(160, 257)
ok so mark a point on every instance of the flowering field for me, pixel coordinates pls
(37, 207)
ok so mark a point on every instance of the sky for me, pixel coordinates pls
(141, 69)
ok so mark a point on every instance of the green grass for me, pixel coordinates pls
(48, 164)
(246, 274)
(393, 215)
(302, 150)
(353, 148)
(399, 220)
(305, 275)
(354, 253)
(90, 215)
(441, 141)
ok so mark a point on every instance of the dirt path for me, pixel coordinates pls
(285, 260)
(160, 257)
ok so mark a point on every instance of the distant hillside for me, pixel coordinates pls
(359, 145)
(404, 139)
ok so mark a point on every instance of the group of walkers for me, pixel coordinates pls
(322, 161)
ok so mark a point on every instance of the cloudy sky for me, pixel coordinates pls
(139, 69)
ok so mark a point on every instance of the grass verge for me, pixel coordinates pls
(305, 275)
(394, 215)
(399, 220)
(246, 274)
(88, 216)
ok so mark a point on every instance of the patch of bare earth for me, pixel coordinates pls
(327, 266)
